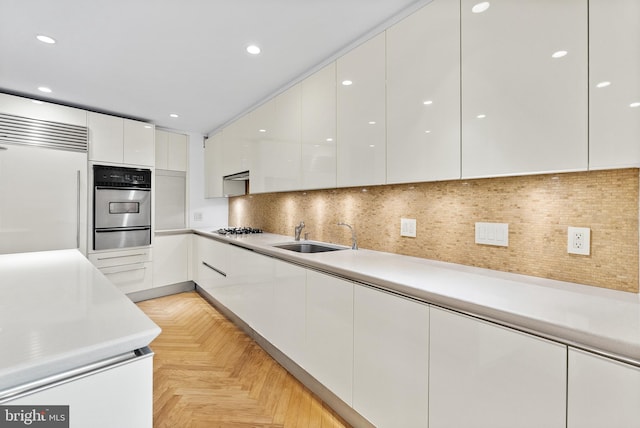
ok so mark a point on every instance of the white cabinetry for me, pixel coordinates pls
(210, 267)
(277, 144)
(25, 107)
(391, 359)
(423, 95)
(614, 86)
(602, 392)
(361, 146)
(117, 397)
(484, 375)
(524, 105)
(236, 148)
(117, 140)
(129, 270)
(171, 259)
(318, 129)
(213, 166)
(329, 331)
(171, 151)
(289, 313)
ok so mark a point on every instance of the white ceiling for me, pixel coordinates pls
(148, 58)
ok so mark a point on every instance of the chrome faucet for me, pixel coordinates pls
(299, 230)
(354, 239)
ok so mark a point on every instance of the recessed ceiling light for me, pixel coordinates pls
(481, 116)
(44, 89)
(262, 130)
(173, 115)
(480, 7)
(45, 39)
(634, 105)
(603, 84)
(37, 102)
(329, 139)
(253, 49)
(427, 102)
(147, 126)
(372, 145)
(372, 122)
(347, 83)
(427, 132)
(559, 54)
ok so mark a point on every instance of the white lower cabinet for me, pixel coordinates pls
(329, 331)
(391, 359)
(129, 270)
(118, 397)
(602, 392)
(484, 375)
(289, 297)
(171, 254)
(210, 267)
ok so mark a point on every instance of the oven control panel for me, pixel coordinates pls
(116, 176)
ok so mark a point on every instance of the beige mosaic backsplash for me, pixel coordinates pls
(538, 208)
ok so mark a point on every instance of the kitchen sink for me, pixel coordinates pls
(309, 247)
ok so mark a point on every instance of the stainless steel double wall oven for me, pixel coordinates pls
(121, 207)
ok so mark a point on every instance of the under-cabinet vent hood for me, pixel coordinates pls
(42, 133)
(235, 184)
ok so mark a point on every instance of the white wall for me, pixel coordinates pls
(214, 212)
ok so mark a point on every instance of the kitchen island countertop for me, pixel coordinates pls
(596, 319)
(58, 312)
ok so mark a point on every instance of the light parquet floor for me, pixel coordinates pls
(208, 373)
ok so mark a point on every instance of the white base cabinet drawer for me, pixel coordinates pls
(486, 376)
(602, 392)
(130, 278)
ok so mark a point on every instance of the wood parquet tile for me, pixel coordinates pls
(209, 374)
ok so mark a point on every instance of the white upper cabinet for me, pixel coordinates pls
(524, 87)
(276, 132)
(318, 129)
(602, 392)
(171, 151)
(423, 95)
(614, 84)
(117, 140)
(361, 145)
(25, 107)
(236, 148)
(213, 166)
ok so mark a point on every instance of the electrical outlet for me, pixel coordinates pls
(197, 216)
(492, 234)
(408, 227)
(579, 240)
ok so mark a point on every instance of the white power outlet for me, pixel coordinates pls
(579, 240)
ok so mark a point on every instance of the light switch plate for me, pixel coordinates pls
(408, 227)
(492, 234)
(579, 240)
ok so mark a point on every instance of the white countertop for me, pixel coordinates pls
(596, 319)
(58, 312)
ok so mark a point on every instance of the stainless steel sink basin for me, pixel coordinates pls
(309, 247)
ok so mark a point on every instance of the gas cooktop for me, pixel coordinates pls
(237, 230)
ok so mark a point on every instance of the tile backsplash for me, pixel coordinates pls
(538, 209)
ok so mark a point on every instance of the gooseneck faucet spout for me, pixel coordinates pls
(299, 230)
(354, 239)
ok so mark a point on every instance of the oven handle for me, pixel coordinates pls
(143, 189)
(122, 229)
(78, 209)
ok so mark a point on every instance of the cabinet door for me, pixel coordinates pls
(162, 148)
(139, 143)
(171, 259)
(391, 359)
(19, 106)
(117, 397)
(106, 135)
(484, 375)
(130, 278)
(329, 330)
(602, 392)
(289, 297)
(524, 105)
(423, 95)
(211, 268)
(236, 147)
(318, 129)
(213, 166)
(177, 152)
(361, 146)
(277, 148)
(614, 67)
